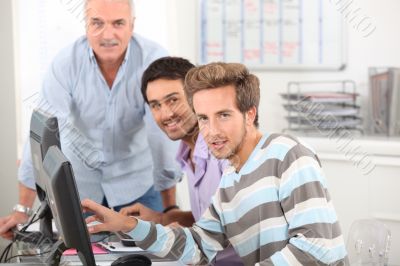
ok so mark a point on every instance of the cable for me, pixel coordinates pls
(39, 212)
(6, 251)
(26, 255)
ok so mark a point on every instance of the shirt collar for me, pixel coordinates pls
(200, 151)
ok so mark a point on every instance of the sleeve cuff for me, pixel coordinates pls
(140, 232)
(166, 179)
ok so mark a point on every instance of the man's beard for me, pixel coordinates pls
(231, 155)
(238, 147)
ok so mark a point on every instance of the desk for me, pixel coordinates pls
(101, 260)
(73, 260)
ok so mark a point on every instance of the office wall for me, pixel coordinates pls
(378, 49)
(8, 131)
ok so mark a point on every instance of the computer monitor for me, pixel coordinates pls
(44, 133)
(63, 199)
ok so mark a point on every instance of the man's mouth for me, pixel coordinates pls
(108, 45)
(171, 124)
(218, 144)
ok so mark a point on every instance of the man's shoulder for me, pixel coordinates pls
(281, 146)
(73, 54)
(144, 43)
(148, 49)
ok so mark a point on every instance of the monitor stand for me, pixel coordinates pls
(45, 227)
(55, 253)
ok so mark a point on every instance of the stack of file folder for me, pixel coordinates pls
(316, 111)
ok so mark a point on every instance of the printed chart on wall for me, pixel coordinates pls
(273, 34)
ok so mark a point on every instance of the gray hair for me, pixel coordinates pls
(130, 2)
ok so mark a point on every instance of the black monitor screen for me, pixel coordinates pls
(63, 198)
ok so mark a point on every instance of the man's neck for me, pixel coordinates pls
(110, 70)
(190, 140)
(248, 146)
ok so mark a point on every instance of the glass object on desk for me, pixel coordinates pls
(368, 243)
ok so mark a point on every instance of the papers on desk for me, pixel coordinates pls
(325, 123)
(118, 247)
(95, 248)
(321, 97)
(322, 110)
(334, 109)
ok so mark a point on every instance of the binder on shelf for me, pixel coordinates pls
(384, 101)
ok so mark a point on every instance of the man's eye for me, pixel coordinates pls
(224, 115)
(172, 101)
(97, 24)
(155, 106)
(119, 23)
(202, 119)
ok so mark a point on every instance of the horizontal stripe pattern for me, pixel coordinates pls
(275, 211)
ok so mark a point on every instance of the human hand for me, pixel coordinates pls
(142, 212)
(174, 225)
(109, 220)
(11, 221)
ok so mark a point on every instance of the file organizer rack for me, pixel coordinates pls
(322, 107)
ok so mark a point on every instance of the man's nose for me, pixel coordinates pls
(166, 111)
(108, 31)
(213, 126)
(210, 129)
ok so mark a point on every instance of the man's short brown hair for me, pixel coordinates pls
(215, 75)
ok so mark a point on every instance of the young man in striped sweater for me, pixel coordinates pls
(272, 205)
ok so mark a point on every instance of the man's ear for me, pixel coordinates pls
(251, 116)
(133, 23)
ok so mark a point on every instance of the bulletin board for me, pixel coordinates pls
(273, 34)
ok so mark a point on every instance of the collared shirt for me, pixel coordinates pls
(204, 180)
(203, 183)
(108, 134)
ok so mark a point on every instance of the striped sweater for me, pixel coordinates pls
(275, 211)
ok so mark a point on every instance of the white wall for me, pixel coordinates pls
(8, 132)
(381, 48)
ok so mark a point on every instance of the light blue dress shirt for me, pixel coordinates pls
(108, 135)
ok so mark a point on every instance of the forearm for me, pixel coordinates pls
(168, 196)
(183, 218)
(173, 242)
(297, 254)
(26, 195)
